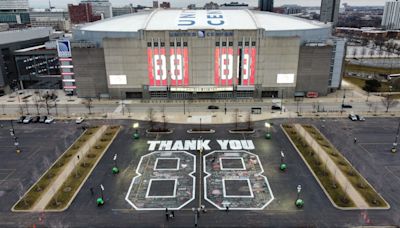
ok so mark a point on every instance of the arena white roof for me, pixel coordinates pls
(177, 19)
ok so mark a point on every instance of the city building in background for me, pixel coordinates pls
(266, 5)
(211, 5)
(289, 9)
(165, 5)
(155, 4)
(234, 5)
(391, 15)
(101, 8)
(179, 54)
(11, 41)
(330, 11)
(118, 11)
(14, 12)
(58, 19)
(82, 13)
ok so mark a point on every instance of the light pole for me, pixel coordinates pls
(344, 97)
(299, 202)
(394, 147)
(115, 169)
(283, 165)
(196, 212)
(200, 125)
(136, 127)
(268, 134)
(184, 107)
(100, 200)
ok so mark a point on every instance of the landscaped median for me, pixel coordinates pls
(341, 182)
(56, 189)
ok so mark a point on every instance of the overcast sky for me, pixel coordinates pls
(182, 3)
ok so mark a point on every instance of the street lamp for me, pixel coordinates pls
(115, 169)
(100, 200)
(196, 212)
(299, 202)
(394, 147)
(283, 165)
(136, 127)
(268, 134)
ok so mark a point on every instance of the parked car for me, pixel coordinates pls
(21, 119)
(79, 120)
(27, 119)
(35, 119)
(49, 120)
(213, 107)
(360, 118)
(276, 107)
(353, 117)
(42, 119)
(346, 106)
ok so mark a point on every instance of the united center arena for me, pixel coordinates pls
(205, 54)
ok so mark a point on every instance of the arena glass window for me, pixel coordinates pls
(162, 44)
(171, 44)
(216, 43)
(148, 44)
(230, 44)
(178, 44)
(253, 43)
(240, 43)
(155, 44)
(185, 44)
(223, 43)
(246, 43)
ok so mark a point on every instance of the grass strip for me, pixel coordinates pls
(36, 191)
(73, 182)
(327, 179)
(359, 183)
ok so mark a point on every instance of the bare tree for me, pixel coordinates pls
(354, 52)
(36, 176)
(88, 104)
(36, 103)
(249, 123)
(67, 110)
(389, 102)
(150, 116)
(236, 116)
(26, 106)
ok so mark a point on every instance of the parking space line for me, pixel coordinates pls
(3, 180)
(391, 172)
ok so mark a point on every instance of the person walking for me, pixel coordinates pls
(166, 214)
(355, 140)
(91, 191)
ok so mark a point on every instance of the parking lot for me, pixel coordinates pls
(41, 143)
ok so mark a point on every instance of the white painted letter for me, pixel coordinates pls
(235, 145)
(190, 144)
(153, 144)
(165, 145)
(247, 144)
(223, 144)
(177, 145)
(203, 144)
